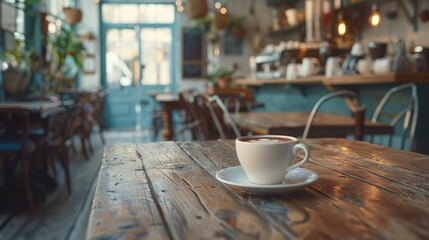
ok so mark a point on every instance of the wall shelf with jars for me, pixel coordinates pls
(287, 19)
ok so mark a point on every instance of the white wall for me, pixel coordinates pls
(90, 23)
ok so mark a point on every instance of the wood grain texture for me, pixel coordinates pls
(123, 207)
(346, 202)
(194, 205)
(364, 191)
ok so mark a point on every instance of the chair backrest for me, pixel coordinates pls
(222, 118)
(235, 98)
(408, 113)
(352, 102)
(16, 123)
(191, 120)
(204, 116)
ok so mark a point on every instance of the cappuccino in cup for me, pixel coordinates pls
(267, 140)
(266, 159)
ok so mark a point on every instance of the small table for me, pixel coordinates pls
(169, 102)
(167, 190)
(293, 124)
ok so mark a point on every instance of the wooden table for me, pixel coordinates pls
(293, 123)
(38, 112)
(167, 190)
(169, 102)
(42, 108)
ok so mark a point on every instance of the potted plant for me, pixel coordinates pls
(221, 77)
(18, 65)
(66, 50)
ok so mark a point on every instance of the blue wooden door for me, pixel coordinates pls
(138, 56)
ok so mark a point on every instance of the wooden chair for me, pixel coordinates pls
(353, 104)
(60, 139)
(190, 121)
(91, 105)
(408, 113)
(204, 116)
(15, 145)
(222, 118)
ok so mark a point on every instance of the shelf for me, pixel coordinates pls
(285, 31)
(275, 3)
(388, 78)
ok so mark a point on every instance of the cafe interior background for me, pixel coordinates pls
(133, 48)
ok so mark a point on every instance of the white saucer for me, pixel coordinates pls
(236, 178)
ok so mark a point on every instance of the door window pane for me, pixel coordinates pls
(156, 13)
(121, 55)
(143, 13)
(156, 55)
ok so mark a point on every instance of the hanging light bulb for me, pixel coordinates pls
(180, 8)
(218, 5)
(341, 26)
(375, 17)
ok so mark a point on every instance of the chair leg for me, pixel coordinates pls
(88, 139)
(26, 181)
(83, 146)
(103, 140)
(64, 159)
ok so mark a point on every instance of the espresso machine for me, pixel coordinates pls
(271, 64)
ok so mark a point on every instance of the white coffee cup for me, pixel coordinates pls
(292, 71)
(266, 159)
(357, 49)
(382, 65)
(333, 66)
(310, 66)
(364, 66)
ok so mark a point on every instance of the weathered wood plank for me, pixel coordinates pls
(338, 205)
(123, 206)
(194, 204)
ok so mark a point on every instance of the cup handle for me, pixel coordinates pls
(306, 157)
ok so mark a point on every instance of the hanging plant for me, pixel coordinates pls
(221, 21)
(73, 15)
(197, 8)
(237, 28)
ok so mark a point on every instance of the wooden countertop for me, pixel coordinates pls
(415, 77)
